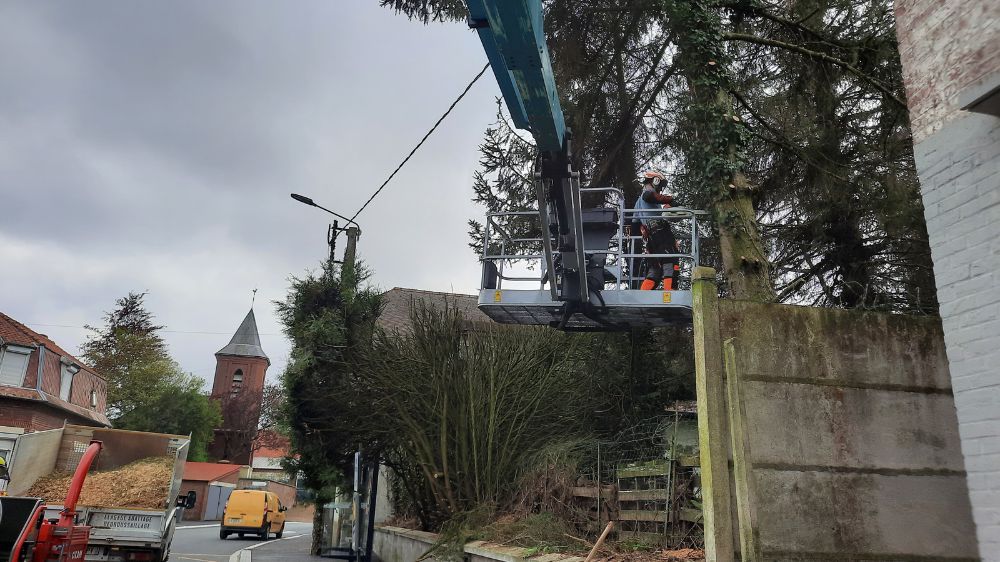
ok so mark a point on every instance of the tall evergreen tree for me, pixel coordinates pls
(129, 352)
(147, 390)
(784, 120)
(329, 319)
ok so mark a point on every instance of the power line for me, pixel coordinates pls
(415, 148)
(162, 330)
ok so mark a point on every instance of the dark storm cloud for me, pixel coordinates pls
(152, 145)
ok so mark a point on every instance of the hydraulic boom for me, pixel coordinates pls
(582, 251)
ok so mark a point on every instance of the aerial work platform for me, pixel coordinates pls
(574, 268)
(525, 282)
(622, 309)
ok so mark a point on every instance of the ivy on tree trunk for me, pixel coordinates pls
(714, 149)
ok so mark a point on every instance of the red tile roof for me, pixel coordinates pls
(17, 333)
(99, 417)
(208, 471)
(271, 445)
(14, 332)
(271, 453)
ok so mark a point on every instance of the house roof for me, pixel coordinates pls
(246, 340)
(398, 302)
(44, 398)
(271, 444)
(17, 333)
(272, 452)
(208, 471)
(14, 332)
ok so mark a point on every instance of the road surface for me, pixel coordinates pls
(200, 542)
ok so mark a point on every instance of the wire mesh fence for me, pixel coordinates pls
(647, 479)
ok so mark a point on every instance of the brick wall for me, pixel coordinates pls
(83, 382)
(254, 370)
(945, 47)
(34, 416)
(959, 169)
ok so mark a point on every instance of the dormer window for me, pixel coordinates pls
(68, 370)
(237, 381)
(13, 364)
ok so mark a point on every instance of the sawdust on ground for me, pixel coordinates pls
(143, 484)
(681, 555)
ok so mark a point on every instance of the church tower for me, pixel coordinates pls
(240, 367)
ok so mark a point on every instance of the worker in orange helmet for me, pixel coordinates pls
(656, 232)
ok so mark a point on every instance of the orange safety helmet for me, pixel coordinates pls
(653, 177)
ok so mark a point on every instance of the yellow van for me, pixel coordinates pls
(253, 512)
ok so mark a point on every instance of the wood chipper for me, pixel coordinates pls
(25, 534)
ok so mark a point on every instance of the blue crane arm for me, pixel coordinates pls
(512, 35)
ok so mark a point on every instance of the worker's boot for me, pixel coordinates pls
(647, 285)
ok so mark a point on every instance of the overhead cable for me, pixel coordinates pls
(415, 148)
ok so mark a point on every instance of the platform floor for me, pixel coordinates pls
(622, 309)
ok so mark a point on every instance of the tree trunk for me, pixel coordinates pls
(714, 147)
(317, 534)
(748, 273)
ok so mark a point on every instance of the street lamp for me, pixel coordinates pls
(353, 232)
(311, 203)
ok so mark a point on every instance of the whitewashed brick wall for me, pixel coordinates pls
(947, 48)
(960, 178)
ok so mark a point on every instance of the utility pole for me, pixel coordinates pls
(331, 240)
(353, 233)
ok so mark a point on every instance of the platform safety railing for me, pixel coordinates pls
(624, 250)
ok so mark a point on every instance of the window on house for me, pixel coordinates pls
(93, 398)
(6, 446)
(237, 381)
(13, 364)
(68, 371)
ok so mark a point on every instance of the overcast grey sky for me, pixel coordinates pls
(151, 146)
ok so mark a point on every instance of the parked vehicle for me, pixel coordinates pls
(253, 512)
(117, 534)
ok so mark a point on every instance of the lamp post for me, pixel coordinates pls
(353, 232)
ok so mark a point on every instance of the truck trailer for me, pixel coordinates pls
(117, 533)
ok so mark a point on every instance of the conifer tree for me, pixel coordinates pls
(147, 390)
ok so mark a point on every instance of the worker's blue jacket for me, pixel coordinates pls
(647, 200)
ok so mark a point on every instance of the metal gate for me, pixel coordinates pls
(215, 500)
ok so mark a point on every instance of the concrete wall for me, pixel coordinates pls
(840, 438)
(395, 544)
(401, 545)
(34, 456)
(851, 429)
(951, 53)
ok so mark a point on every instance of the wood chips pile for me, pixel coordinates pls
(680, 555)
(144, 483)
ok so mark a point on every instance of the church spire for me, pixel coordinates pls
(246, 340)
